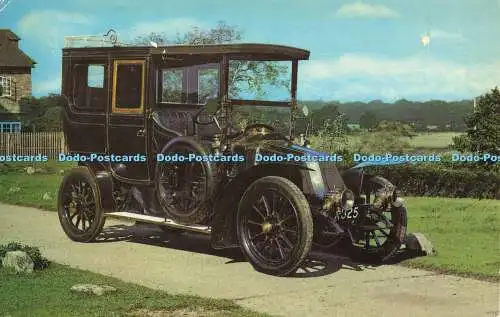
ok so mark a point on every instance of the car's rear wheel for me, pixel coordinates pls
(274, 226)
(79, 205)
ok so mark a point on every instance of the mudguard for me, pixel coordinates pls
(200, 212)
(197, 147)
(105, 185)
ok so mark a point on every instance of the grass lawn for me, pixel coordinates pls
(19, 188)
(47, 293)
(466, 232)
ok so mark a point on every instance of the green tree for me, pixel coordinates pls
(42, 114)
(483, 126)
(32, 110)
(368, 120)
(324, 117)
(332, 136)
(397, 128)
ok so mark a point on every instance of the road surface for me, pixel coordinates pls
(185, 264)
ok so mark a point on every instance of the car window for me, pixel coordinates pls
(208, 84)
(190, 84)
(260, 80)
(95, 76)
(89, 87)
(172, 85)
(128, 95)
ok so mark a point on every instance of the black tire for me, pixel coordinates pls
(376, 250)
(273, 228)
(79, 202)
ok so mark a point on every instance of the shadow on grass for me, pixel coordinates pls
(318, 263)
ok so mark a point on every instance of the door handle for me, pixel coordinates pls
(141, 132)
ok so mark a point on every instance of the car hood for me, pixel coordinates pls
(302, 150)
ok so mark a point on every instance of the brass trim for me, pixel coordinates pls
(114, 108)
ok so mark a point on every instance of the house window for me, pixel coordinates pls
(10, 127)
(6, 84)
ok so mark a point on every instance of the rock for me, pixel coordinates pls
(419, 243)
(20, 261)
(98, 290)
(14, 189)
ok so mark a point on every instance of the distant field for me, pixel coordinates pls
(430, 141)
(433, 140)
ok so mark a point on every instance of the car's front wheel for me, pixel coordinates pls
(380, 235)
(274, 225)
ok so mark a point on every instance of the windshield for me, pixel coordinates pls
(260, 80)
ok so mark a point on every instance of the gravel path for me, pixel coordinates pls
(185, 264)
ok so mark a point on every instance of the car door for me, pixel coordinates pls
(127, 137)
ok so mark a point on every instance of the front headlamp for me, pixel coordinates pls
(339, 199)
(347, 200)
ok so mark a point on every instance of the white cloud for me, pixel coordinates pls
(49, 27)
(445, 35)
(168, 26)
(356, 77)
(365, 10)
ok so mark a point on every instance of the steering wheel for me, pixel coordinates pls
(233, 131)
(196, 118)
(259, 128)
(264, 130)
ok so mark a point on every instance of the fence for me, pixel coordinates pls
(27, 143)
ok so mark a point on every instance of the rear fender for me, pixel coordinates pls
(105, 186)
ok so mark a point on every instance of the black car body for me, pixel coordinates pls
(133, 111)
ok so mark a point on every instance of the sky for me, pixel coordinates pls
(360, 50)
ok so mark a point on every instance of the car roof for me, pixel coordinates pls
(251, 50)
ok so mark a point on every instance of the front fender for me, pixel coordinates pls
(311, 179)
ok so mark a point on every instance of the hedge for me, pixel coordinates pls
(442, 181)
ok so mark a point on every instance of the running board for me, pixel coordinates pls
(158, 221)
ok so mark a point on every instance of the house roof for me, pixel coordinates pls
(10, 54)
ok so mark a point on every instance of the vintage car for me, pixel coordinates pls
(153, 132)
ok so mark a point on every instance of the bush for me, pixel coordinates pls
(33, 252)
(442, 181)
